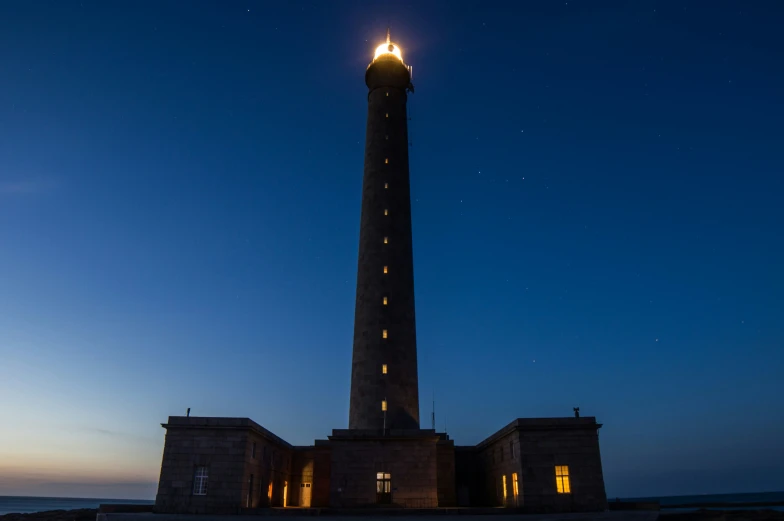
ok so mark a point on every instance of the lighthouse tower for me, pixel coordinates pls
(384, 384)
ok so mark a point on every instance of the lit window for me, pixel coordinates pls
(269, 491)
(386, 240)
(383, 405)
(385, 301)
(562, 479)
(383, 483)
(386, 160)
(200, 481)
(386, 185)
(386, 269)
(503, 487)
(384, 369)
(387, 114)
(515, 486)
(386, 211)
(383, 333)
(387, 94)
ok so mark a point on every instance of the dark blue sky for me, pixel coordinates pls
(597, 203)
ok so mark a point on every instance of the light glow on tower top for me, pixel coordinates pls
(388, 48)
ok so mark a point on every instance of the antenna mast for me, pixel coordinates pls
(433, 414)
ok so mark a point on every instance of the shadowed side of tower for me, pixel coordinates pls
(384, 382)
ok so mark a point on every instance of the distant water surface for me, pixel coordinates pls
(28, 504)
(756, 497)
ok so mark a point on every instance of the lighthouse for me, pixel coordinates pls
(384, 385)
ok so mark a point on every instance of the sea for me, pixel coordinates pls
(28, 504)
(667, 502)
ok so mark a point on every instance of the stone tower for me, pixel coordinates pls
(384, 383)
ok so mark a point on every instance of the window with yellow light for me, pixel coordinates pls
(562, 479)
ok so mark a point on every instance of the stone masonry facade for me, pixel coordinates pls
(249, 468)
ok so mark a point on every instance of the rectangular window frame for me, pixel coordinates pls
(562, 482)
(200, 478)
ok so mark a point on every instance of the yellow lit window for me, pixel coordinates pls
(562, 479)
(503, 486)
(387, 93)
(515, 486)
(384, 369)
(386, 240)
(386, 160)
(386, 269)
(386, 185)
(387, 114)
(383, 405)
(385, 301)
(383, 333)
(386, 212)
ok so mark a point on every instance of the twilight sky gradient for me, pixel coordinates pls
(597, 202)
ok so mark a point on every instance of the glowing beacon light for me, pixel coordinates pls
(388, 49)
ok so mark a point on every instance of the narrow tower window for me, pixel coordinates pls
(386, 185)
(384, 369)
(386, 240)
(387, 114)
(385, 301)
(386, 137)
(383, 333)
(386, 211)
(386, 160)
(386, 269)
(387, 93)
(383, 405)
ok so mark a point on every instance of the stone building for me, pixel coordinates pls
(231, 465)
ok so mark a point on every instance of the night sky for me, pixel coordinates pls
(597, 207)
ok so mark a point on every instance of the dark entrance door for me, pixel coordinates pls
(383, 488)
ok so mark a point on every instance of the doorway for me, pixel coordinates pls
(383, 488)
(305, 493)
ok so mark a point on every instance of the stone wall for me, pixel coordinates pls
(499, 462)
(225, 446)
(575, 444)
(357, 456)
(445, 455)
(310, 465)
(532, 448)
(385, 239)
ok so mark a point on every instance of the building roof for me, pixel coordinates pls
(204, 422)
(539, 424)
